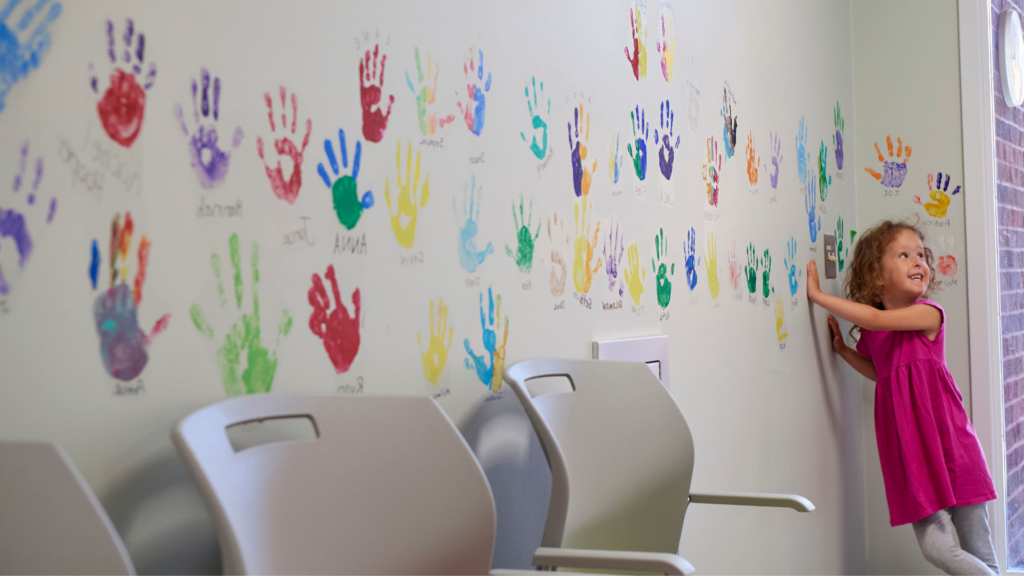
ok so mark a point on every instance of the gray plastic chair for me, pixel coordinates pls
(389, 486)
(621, 458)
(50, 520)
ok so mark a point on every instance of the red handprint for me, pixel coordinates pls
(370, 84)
(285, 190)
(123, 105)
(338, 330)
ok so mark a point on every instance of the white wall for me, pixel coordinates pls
(907, 84)
(765, 417)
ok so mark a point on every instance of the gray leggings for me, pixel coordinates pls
(974, 555)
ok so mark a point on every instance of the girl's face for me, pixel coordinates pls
(905, 274)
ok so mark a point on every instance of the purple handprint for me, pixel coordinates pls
(666, 152)
(837, 140)
(776, 147)
(614, 248)
(208, 160)
(13, 224)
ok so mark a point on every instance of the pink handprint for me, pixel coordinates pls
(338, 330)
(370, 85)
(287, 190)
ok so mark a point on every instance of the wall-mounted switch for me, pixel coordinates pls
(652, 350)
(830, 256)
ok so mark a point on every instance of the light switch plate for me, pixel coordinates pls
(651, 350)
(830, 256)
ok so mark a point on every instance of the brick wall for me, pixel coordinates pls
(1009, 146)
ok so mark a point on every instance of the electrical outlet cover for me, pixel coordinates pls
(830, 256)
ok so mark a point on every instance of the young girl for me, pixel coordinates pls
(934, 470)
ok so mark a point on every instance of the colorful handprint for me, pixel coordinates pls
(208, 160)
(753, 161)
(582, 175)
(824, 180)
(766, 287)
(559, 240)
(641, 130)
(614, 247)
(837, 138)
(810, 204)
(731, 123)
(667, 149)
(124, 347)
(243, 340)
(790, 265)
(939, 205)
(14, 224)
(662, 283)
(776, 147)
(779, 320)
(894, 170)
(23, 49)
(476, 91)
(712, 170)
(635, 274)
(411, 197)
(469, 257)
(614, 161)
(583, 250)
(287, 190)
(750, 270)
(338, 330)
(123, 104)
(638, 59)
(526, 238)
(690, 256)
(435, 357)
(486, 363)
(711, 266)
(425, 91)
(667, 44)
(371, 82)
(801, 151)
(538, 119)
(348, 207)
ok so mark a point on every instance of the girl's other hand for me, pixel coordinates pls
(813, 288)
(838, 344)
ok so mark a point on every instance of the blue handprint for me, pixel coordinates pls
(539, 123)
(347, 205)
(666, 152)
(790, 265)
(689, 251)
(640, 126)
(810, 204)
(473, 111)
(801, 152)
(21, 50)
(490, 324)
(468, 255)
(614, 161)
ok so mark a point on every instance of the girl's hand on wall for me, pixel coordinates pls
(838, 344)
(813, 288)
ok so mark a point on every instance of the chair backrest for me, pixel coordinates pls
(620, 453)
(50, 520)
(389, 486)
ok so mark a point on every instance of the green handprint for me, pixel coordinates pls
(839, 244)
(766, 274)
(751, 268)
(524, 252)
(244, 336)
(662, 283)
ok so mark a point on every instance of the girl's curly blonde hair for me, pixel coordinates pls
(864, 279)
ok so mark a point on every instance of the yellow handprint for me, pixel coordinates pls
(778, 320)
(635, 276)
(668, 52)
(583, 254)
(711, 265)
(499, 351)
(404, 221)
(940, 200)
(436, 356)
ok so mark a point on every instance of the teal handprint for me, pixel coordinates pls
(766, 274)
(750, 270)
(790, 266)
(469, 257)
(536, 107)
(663, 284)
(524, 252)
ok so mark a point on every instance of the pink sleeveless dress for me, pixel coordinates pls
(931, 458)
